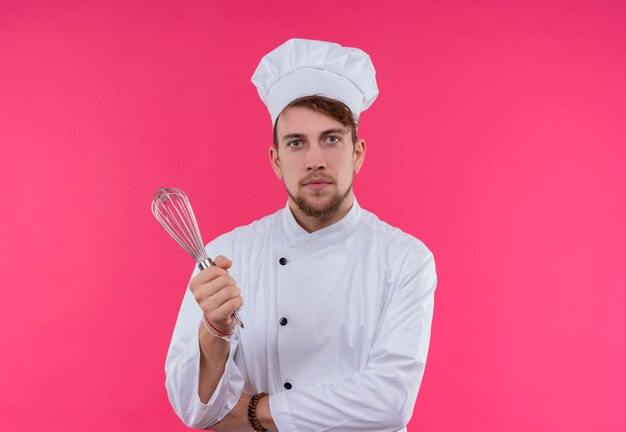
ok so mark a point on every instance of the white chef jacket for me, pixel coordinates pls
(337, 326)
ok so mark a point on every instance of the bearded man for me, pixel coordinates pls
(338, 304)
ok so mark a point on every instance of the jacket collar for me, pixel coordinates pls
(340, 230)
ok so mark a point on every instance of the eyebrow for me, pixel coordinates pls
(292, 135)
(323, 133)
(339, 131)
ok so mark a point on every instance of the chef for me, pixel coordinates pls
(337, 305)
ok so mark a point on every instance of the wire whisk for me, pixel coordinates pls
(171, 207)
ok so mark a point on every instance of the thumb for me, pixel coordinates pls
(223, 262)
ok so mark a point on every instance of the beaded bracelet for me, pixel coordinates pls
(215, 332)
(254, 422)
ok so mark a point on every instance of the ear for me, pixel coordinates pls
(275, 162)
(359, 154)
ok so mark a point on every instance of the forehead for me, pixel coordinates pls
(303, 120)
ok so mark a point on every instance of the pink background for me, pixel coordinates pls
(499, 139)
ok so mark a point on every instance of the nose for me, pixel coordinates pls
(314, 158)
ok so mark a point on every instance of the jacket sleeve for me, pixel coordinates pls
(182, 369)
(382, 396)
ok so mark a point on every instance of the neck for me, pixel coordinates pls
(312, 224)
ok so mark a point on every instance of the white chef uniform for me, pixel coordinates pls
(337, 326)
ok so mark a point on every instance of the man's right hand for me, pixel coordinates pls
(217, 294)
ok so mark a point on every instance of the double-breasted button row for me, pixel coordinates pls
(283, 321)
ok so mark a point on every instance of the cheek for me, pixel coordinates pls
(348, 165)
(344, 176)
(290, 172)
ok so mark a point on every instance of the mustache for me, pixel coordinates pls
(317, 177)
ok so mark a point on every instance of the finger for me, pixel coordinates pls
(211, 288)
(223, 262)
(223, 316)
(207, 292)
(207, 275)
(216, 300)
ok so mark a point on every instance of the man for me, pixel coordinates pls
(337, 304)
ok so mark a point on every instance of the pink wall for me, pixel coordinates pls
(499, 139)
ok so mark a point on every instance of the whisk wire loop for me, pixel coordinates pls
(171, 207)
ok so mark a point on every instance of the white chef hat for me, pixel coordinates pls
(302, 67)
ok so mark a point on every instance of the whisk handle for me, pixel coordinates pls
(205, 264)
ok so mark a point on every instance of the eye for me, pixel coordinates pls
(333, 139)
(294, 144)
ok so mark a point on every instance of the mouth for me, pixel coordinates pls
(316, 186)
(317, 182)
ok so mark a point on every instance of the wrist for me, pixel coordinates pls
(213, 330)
(259, 415)
(210, 345)
(264, 415)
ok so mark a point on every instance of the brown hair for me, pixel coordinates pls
(322, 104)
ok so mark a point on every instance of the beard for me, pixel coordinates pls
(326, 210)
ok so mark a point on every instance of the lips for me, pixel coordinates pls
(316, 181)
